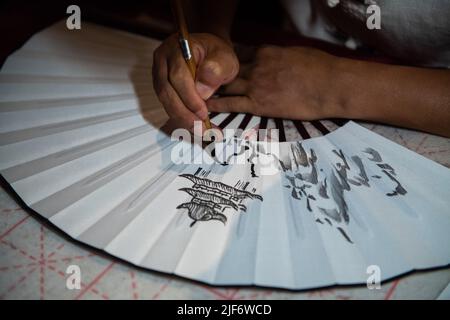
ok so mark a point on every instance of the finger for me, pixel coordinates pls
(217, 69)
(231, 104)
(172, 103)
(170, 99)
(177, 111)
(238, 87)
(181, 80)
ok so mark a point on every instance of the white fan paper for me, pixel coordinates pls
(80, 144)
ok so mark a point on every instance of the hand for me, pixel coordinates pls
(184, 99)
(293, 83)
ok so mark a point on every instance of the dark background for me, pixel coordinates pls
(19, 19)
(257, 22)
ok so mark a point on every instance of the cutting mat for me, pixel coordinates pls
(34, 257)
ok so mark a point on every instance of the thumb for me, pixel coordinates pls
(216, 70)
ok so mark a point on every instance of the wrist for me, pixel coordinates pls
(360, 89)
(333, 101)
(346, 89)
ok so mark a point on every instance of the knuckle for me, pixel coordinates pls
(213, 67)
(176, 75)
(230, 58)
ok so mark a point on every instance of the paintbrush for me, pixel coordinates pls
(183, 35)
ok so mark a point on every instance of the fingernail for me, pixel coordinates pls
(202, 114)
(203, 90)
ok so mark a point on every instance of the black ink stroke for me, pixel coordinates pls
(376, 157)
(210, 198)
(399, 190)
(346, 173)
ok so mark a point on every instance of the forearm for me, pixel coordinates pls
(410, 97)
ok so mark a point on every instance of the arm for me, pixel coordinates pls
(417, 98)
(307, 84)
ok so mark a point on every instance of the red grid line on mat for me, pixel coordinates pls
(425, 138)
(96, 280)
(391, 290)
(13, 227)
(254, 295)
(11, 210)
(233, 294)
(15, 285)
(17, 266)
(161, 290)
(83, 285)
(134, 285)
(216, 293)
(228, 294)
(402, 139)
(431, 152)
(321, 293)
(42, 264)
(343, 297)
(67, 259)
(21, 251)
(51, 254)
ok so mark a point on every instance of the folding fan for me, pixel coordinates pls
(80, 144)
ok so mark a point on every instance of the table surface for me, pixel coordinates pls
(34, 257)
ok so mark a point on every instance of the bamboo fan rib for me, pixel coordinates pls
(80, 144)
